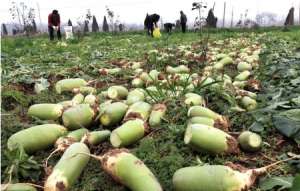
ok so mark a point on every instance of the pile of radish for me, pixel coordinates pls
(128, 115)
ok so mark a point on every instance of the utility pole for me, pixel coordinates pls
(38, 7)
(224, 14)
(231, 23)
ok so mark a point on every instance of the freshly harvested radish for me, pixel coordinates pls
(68, 169)
(36, 138)
(46, 111)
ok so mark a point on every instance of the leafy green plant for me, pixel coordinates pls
(20, 166)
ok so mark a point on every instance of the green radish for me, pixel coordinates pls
(207, 81)
(128, 133)
(69, 84)
(135, 96)
(157, 114)
(202, 120)
(239, 84)
(112, 114)
(190, 88)
(243, 66)
(139, 110)
(96, 137)
(18, 187)
(218, 177)
(226, 60)
(78, 116)
(211, 140)
(130, 171)
(85, 90)
(63, 143)
(182, 78)
(117, 92)
(145, 77)
(68, 169)
(66, 104)
(113, 71)
(218, 66)
(153, 74)
(242, 76)
(220, 56)
(250, 141)
(152, 89)
(78, 99)
(249, 103)
(177, 70)
(138, 71)
(227, 79)
(193, 99)
(137, 83)
(36, 138)
(135, 65)
(246, 93)
(220, 121)
(45, 111)
(90, 99)
(102, 95)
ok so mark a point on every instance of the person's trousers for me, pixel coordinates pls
(183, 27)
(51, 33)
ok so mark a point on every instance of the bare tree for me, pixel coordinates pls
(110, 15)
(34, 27)
(95, 26)
(24, 14)
(3, 30)
(86, 27)
(105, 27)
(266, 18)
(70, 23)
(84, 20)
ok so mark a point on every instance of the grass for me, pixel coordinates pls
(25, 60)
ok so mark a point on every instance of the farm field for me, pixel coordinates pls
(261, 95)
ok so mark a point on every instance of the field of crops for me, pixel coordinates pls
(147, 107)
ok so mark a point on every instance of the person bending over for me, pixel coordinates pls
(151, 22)
(54, 25)
(168, 27)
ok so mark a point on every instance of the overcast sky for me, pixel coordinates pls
(134, 11)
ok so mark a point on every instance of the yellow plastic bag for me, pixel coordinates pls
(156, 33)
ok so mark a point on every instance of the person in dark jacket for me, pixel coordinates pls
(54, 24)
(183, 21)
(168, 27)
(150, 22)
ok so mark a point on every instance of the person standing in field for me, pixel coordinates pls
(151, 22)
(183, 21)
(54, 25)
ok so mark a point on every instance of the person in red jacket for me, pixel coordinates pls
(54, 24)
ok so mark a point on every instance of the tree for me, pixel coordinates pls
(110, 15)
(24, 14)
(34, 28)
(121, 27)
(84, 20)
(4, 30)
(265, 18)
(290, 17)
(70, 23)
(211, 20)
(86, 27)
(95, 27)
(105, 27)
